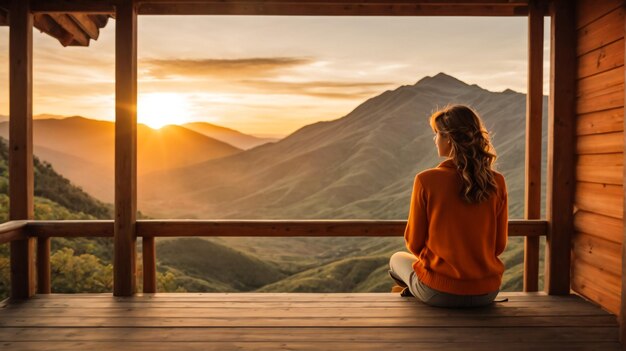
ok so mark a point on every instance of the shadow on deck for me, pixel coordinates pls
(302, 321)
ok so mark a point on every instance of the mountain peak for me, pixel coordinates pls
(441, 80)
(509, 91)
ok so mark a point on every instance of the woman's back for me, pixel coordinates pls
(458, 218)
(457, 243)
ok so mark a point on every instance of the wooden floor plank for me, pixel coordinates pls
(295, 312)
(547, 335)
(274, 304)
(273, 345)
(301, 321)
(313, 297)
(238, 321)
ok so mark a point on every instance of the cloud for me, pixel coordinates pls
(323, 89)
(222, 68)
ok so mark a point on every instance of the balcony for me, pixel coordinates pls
(276, 321)
(33, 318)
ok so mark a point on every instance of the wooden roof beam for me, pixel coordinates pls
(86, 24)
(69, 25)
(106, 7)
(46, 24)
(4, 17)
(330, 8)
(421, 2)
(295, 8)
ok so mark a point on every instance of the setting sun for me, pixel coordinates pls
(160, 109)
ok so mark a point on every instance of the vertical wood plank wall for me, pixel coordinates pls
(596, 265)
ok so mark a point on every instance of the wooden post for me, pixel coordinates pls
(21, 182)
(149, 265)
(43, 266)
(561, 147)
(125, 272)
(534, 111)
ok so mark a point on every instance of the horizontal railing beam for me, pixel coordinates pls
(71, 229)
(260, 228)
(12, 230)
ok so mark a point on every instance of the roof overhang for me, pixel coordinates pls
(76, 22)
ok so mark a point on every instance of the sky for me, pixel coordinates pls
(271, 75)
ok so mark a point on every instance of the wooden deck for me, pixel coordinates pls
(301, 321)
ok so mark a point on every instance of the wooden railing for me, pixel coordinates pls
(150, 229)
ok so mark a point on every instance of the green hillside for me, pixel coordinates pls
(225, 269)
(356, 274)
(77, 264)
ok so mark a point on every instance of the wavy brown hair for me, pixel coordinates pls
(471, 150)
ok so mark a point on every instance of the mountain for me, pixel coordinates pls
(84, 264)
(227, 135)
(359, 166)
(83, 150)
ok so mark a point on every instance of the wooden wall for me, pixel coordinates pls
(596, 265)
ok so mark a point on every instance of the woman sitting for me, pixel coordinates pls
(458, 218)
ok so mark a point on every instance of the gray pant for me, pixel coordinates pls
(401, 264)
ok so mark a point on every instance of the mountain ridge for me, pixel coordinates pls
(82, 149)
(381, 136)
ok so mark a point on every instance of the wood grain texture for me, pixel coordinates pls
(86, 24)
(622, 263)
(600, 122)
(303, 321)
(603, 31)
(600, 168)
(604, 199)
(12, 230)
(74, 6)
(591, 10)
(149, 265)
(43, 266)
(561, 142)
(600, 60)
(597, 284)
(604, 227)
(124, 267)
(607, 99)
(334, 8)
(598, 252)
(598, 84)
(21, 176)
(272, 228)
(70, 26)
(600, 143)
(534, 114)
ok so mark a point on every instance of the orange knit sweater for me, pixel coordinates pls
(456, 244)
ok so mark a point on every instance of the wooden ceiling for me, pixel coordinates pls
(70, 29)
(76, 22)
